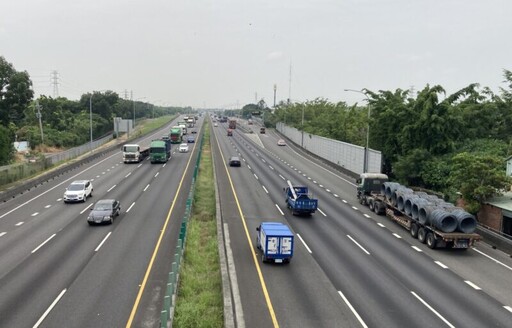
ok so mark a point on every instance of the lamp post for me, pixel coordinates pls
(366, 151)
(90, 117)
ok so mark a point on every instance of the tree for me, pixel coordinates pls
(7, 150)
(15, 93)
(478, 178)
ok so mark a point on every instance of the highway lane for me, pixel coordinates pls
(300, 295)
(494, 267)
(392, 274)
(97, 269)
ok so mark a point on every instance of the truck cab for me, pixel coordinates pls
(369, 183)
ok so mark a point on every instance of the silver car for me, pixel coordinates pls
(78, 191)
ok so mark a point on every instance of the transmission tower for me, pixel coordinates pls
(55, 83)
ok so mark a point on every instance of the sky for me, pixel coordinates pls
(228, 53)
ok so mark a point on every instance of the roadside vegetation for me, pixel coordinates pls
(199, 300)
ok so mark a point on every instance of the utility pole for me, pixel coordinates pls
(38, 115)
(290, 84)
(275, 89)
(133, 105)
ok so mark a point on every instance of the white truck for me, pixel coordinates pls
(134, 153)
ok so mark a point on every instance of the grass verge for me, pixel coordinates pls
(199, 301)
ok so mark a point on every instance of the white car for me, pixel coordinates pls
(281, 142)
(183, 148)
(78, 191)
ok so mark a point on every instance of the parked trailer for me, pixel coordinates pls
(275, 240)
(133, 153)
(369, 193)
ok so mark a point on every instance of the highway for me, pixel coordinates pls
(57, 271)
(351, 268)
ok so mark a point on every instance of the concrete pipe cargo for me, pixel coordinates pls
(425, 211)
(443, 220)
(390, 188)
(408, 203)
(399, 197)
(416, 204)
(465, 222)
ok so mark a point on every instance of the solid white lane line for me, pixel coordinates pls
(34, 214)
(441, 264)
(492, 258)
(264, 189)
(416, 248)
(397, 235)
(255, 176)
(319, 210)
(2, 233)
(44, 242)
(49, 309)
(129, 208)
(366, 215)
(279, 209)
(355, 242)
(352, 309)
(433, 310)
(305, 245)
(146, 188)
(156, 174)
(104, 239)
(19, 223)
(111, 188)
(85, 209)
(472, 285)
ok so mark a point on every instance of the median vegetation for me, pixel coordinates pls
(199, 300)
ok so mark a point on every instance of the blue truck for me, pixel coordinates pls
(275, 240)
(299, 201)
(160, 151)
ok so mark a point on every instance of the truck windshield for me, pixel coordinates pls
(130, 149)
(157, 150)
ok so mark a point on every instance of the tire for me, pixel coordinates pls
(361, 201)
(90, 223)
(431, 240)
(376, 209)
(263, 258)
(111, 220)
(422, 235)
(414, 230)
(371, 206)
(85, 198)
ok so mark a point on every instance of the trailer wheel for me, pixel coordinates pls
(414, 230)
(431, 240)
(422, 235)
(371, 206)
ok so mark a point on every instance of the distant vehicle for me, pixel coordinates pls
(194, 131)
(191, 139)
(230, 132)
(104, 211)
(176, 135)
(249, 122)
(281, 142)
(160, 151)
(299, 201)
(133, 153)
(275, 240)
(215, 124)
(232, 124)
(234, 161)
(78, 191)
(183, 148)
(262, 130)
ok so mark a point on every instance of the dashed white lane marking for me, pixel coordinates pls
(47, 206)
(126, 176)
(271, 167)
(279, 209)
(353, 310)
(367, 216)
(328, 190)
(305, 245)
(492, 258)
(381, 225)
(416, 248)
(44, 242)
(156, 174)
(508, 308)
(19, 223)
(343, 200)
(319, 210)
(355, 242)
(249, 167)
(397, 235)
(256, 176)
(441, 264)
(472, 285)
(2, 233)
(85, 209)
(355, 208)
(264, 189)
(281, 177)
(146, 188)
(111, 188)
(103, 241)
(321, 186)
(336, 195)
(314, 181)
(49, 309)
(34, 214)
(433, 310)
(129, 208)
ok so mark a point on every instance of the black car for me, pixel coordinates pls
(104, 211)
(234, 161)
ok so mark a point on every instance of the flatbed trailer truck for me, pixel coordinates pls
(134, 153)
(367, 193)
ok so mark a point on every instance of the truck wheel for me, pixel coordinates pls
(371, 206)
(361, 201)
(376, 209)
(422, 235)
(431, 240)
(414, 230)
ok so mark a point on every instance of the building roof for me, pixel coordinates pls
(503, 202)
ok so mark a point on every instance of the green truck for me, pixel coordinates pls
(160, 151)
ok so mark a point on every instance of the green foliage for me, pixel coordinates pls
(478, 177)
(7, 150)
(15, 93)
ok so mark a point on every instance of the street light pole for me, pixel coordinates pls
(366, 151)
(90, 116)
(302, 127)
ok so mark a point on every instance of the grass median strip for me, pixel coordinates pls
(199, 301)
